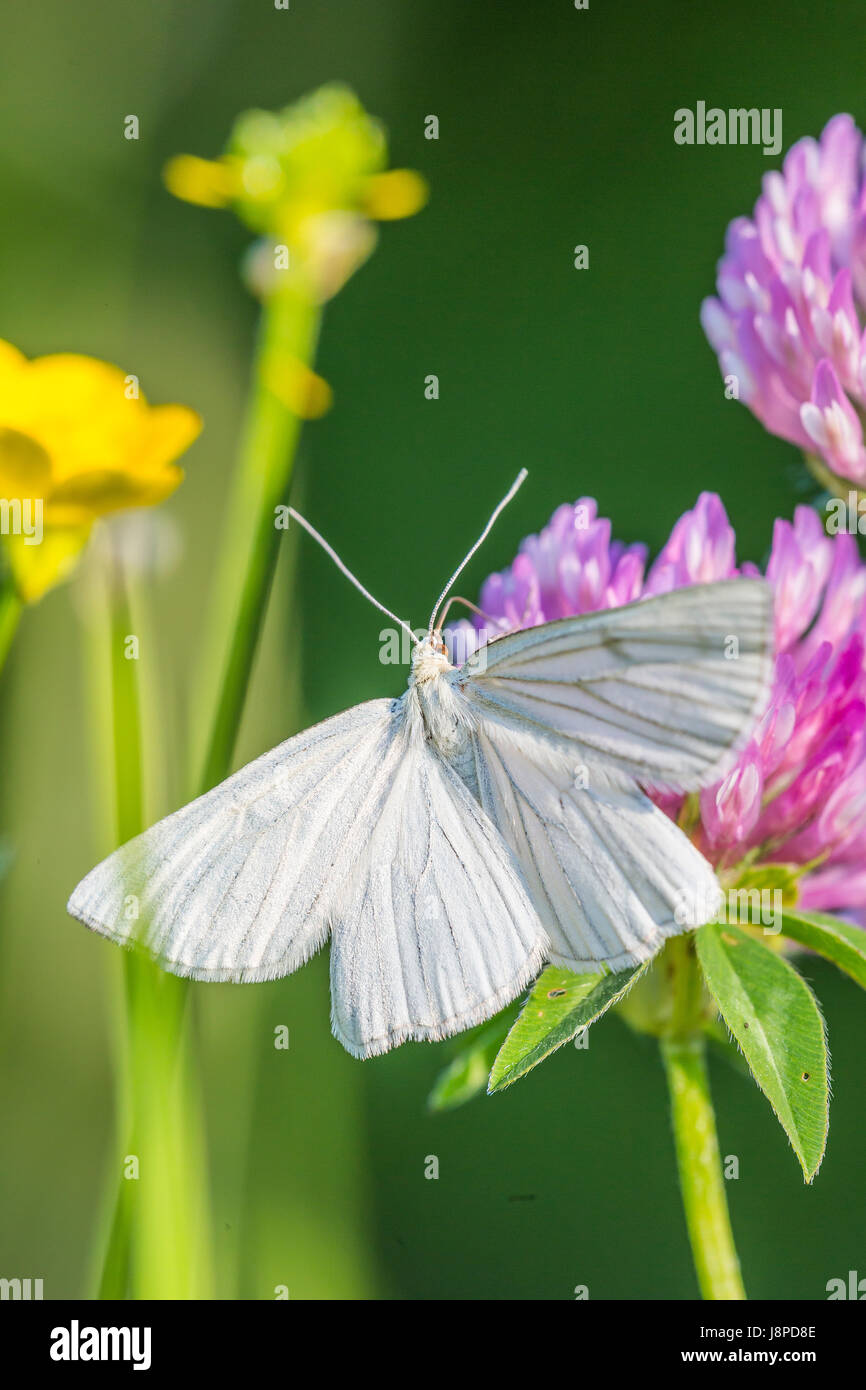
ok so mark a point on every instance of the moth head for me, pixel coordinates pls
(430, 658)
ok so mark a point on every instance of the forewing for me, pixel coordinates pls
(237, 885)
(664, 690)
(610, 874)
(434, 931)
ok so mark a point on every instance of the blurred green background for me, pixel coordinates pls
(556, 128)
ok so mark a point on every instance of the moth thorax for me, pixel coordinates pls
(440, 710)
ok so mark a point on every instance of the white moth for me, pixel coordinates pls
(443, 839)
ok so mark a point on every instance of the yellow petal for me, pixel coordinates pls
(168, 431)
(110, 490)
(78, 409)
(62, 378)
(397, 193)
(25, 467)
(305, 393)
(211, 183)
(38, 568)
(79, 433)
(84, 416)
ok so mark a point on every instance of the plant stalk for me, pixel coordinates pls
(158, 1242)
(11, 609)
(287, 340)
(702, 1183)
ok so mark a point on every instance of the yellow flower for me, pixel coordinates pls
(310, 179)
(77, 442)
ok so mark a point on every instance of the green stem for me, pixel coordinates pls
(126, 714)
(11, 609)
(288, 336)
(701, 1180)
(702, 1183)
(170, 1236)
(113, 1282)
(126, 750)
(157, 1238)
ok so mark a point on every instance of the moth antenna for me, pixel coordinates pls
(329, 550)
(473, 608)
(518, 482)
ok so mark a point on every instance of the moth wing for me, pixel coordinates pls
(237, 885)
(434, 931)
(664, 690)
(611, 876)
